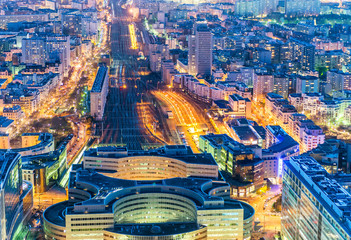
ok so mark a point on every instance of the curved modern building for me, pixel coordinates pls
(175, 206)
(35, 144)
(167, 162)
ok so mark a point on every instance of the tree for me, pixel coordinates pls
(322, 72)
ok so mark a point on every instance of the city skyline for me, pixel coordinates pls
(175, 119)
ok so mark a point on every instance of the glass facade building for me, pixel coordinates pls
(13, 194)
(314, 205)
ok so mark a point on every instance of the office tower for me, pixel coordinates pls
(336, 59)
(303, 53)
(40, 50)
(98, 93)
(16, 196)
(71, 24)
(339, 80)
(307, 84)
(263, 84)
(248, 75)
(314, 203)
(281, 85)
(59, 46)
(238, 161)
(203, 49)
(181, 198)
(191, 55)
(34, 50)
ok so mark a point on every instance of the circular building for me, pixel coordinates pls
(171, 204)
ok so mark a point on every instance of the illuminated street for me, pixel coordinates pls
(52, 196)
(268, 221)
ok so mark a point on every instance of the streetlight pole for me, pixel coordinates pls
(39, 202)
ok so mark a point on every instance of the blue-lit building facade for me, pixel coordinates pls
(16, 197)
(247, 168)
(314, 204)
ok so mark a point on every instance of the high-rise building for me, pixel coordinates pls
(307, 84)
(191, 55)
(98, 93)
(40, 50)
(339, 80)
(331, 59)
(314, 203)
(262, 84)
(248, 75)
(303, 53)
(34, 51)
(248, 8)
(158, 54)
(203, 49)
(347, 114)
(276, 49)
(281, 85)
(71, 24)
(304, 7)
(59, 46)
(31, 17)
(16, 196)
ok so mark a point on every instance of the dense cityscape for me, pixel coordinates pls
(169, 120)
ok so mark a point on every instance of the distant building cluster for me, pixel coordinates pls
(247, 57)
(295, 75)
(288, 7)
(274, 75)
(255, 155)
(39, 44)
(304, 130)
